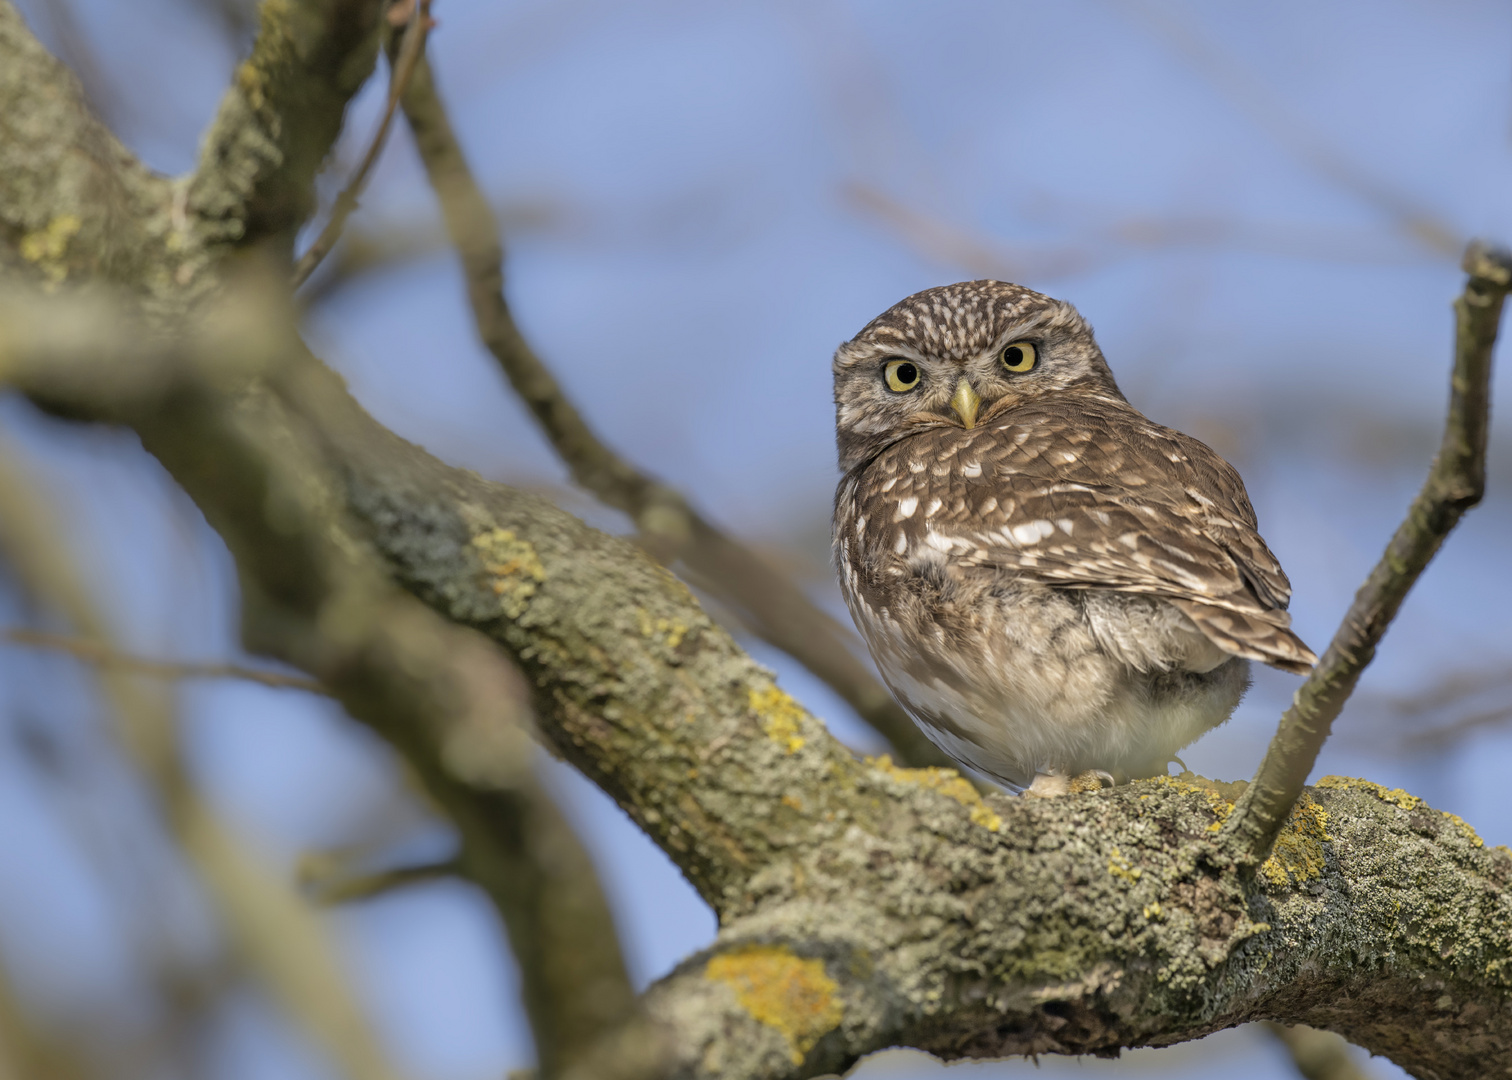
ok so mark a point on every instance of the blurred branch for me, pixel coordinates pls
(766, 601)
(29, 1053)
(1256, 99)
(943, 242)
(1439, 737)
(103, 655)
(273, 931)
(1318, 1055)
(1454, 485)
(331, 879)
(73, 200)
(442, 694)
(411, 48)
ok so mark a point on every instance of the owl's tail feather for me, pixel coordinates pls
(1256, 635)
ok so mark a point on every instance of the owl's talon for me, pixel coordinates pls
(1091, 780)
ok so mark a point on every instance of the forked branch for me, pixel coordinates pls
(1454, 485)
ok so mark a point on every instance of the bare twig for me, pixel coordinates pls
(1318, 1055)
(411, 48)
(330, 879)
(772, 606)
(104, 655)
(1454, 485)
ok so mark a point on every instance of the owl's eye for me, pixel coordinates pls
(901, 375)
(1020, 357)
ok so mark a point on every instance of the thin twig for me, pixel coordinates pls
(764, 600)
(103, 655)
(1454, 485)
(330, 880)
(403, 69)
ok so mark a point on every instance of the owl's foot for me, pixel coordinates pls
(1054, 785)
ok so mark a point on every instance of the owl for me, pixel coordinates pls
(1061, 592)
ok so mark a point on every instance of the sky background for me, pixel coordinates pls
(1257, 206)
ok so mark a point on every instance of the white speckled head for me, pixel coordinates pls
(954, 332)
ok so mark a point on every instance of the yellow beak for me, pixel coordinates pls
(966, 403)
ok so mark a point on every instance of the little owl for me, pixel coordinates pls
(1054, 586)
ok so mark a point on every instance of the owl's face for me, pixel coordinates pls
(958, 355)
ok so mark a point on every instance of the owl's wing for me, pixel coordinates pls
(1138, 509)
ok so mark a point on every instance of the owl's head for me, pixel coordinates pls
(958, 355)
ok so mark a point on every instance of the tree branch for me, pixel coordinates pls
(277, 123)
(442, 695)
(411, 48)
(73, 200)
(1318, 1055)
(1454, 485)
(103, 655)
(861, 905)
(764, 600)
(272, 932)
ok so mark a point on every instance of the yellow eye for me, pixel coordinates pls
(1020, 357)
(901, 375)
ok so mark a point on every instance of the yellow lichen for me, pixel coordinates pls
(785, 992)
(1220, 796)
(1400, 798)
(781, 717)
(947, 782)
(1120, 867)
(672, 631)
(1394, 796)
(46, 246)
(513, 568)
(1298, 853)
(1154, 911)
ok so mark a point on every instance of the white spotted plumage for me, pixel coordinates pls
(1058, 585)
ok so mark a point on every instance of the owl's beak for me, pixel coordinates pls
(966, 403)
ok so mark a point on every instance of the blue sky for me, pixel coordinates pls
(700, 202)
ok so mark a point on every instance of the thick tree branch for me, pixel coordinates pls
(764, 600)
(1454, 485)
(73, 200)
(861, 905)
(277, 123)
(441, 694)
